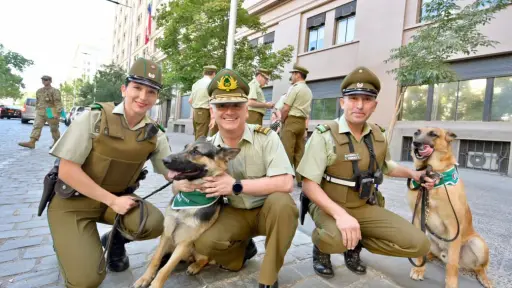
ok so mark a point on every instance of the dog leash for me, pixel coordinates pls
(119, 226)
(424, 196)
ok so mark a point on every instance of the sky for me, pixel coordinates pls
(49, 31)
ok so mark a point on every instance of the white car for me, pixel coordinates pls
(28, 112)
(73, 113)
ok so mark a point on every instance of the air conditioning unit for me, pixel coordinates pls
(484, 161)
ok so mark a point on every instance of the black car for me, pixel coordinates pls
(9, 112)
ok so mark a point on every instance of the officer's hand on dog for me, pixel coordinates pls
(429, 182)
(350, 230)
(121, 205)
(186, 186)
(218, 185)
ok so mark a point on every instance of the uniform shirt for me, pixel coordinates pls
(256, 93)
(199, 94)
(319, 152)
(261, 155)
(76, 143)
(48, 97)
(299, 99)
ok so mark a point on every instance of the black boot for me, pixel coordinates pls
(322, 263)
(250, 251)
(353, 261)
(117, 259)
(275, 285)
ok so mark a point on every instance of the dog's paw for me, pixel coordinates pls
(143, 282)
(417, 273)
(431, 256)
(485, 282)
(194, 268)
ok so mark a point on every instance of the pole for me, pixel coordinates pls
(129, 42)
(231, 34)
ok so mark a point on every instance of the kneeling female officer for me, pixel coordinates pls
(101, 156)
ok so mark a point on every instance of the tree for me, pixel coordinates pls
(10, 82)
(451, 31)
(195, 35)
(105, 86)
(70, 91)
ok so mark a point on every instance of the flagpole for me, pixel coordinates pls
(231, 34)
(130, 42)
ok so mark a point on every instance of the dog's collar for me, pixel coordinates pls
(192, 200)
(449, 177)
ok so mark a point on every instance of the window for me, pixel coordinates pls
(501, 107)
(423, 10)
(254, 42)
(137, 40)
(461, 101)
(414, 105)
(315, 26)
(269, 39)
(323, 109)
(345, 16)
(185, 107)
(139, 18)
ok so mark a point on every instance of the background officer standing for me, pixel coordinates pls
(104, 169)
(295, 111)
(201, 119)
(46, 97)
(257, 185)
(257, 105)
(343, 160)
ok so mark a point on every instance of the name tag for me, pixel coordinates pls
(352, 157)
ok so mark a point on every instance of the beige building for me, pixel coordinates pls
(331, 38)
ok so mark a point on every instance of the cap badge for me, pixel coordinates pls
(359, 85)
(360, 71)
(151, 75)
(153, 67)
(227, 83)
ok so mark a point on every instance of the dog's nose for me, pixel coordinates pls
(417, 144)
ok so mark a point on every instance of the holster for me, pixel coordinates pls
(377, 198)
(304, 207)
(49, 187)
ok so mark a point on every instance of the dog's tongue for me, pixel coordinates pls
(426, 151)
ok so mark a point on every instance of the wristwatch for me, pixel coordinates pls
(237, 187)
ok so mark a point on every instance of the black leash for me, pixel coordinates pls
(118, 225)
(424, 196)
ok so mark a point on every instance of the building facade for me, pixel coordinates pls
(331, 38)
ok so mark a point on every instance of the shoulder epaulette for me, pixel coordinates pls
(381, 129)
(322, 128)
(161, 127)
(261, 129)
(96, 106)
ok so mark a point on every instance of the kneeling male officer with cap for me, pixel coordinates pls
(102, 154)
(343, 161)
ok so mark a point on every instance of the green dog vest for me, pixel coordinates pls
(190, 200)
(449, 177)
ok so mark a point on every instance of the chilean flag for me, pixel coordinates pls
(148, 29)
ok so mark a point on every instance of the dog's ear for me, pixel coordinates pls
(201, 139)
(450, 136)
(227, 153)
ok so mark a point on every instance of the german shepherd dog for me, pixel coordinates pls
(183, 226)
(432, 146)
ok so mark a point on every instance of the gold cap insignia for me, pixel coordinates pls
(151, 75)
(227, 83)
(359, 85)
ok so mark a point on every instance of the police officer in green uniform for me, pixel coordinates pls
(101, 157)
(201, 118)
(257, 186)
(257, 104)
(343, 161)
(295, 111)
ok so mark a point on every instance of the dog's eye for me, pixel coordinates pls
(195, 152)
(432, 134)
(417, 133)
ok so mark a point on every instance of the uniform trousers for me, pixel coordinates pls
(226, 240)
(41, 119)
(292, 136)
(255, 118)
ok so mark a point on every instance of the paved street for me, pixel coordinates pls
(27, 258)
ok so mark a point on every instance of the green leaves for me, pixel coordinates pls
(195, 35)
(451, 31)
(12, 63)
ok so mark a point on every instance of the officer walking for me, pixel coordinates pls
(46, 97)
(101, 157)
(257, 104)
(201, 119)
(257, 186)
(343, 160)
(295, 111)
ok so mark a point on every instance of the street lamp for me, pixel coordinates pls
(231, 34)
(129, 34)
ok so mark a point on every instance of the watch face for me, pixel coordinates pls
(237, 188)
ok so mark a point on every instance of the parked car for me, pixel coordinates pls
(73, 113)
(7, 111)
(28, 112)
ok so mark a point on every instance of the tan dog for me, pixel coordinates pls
(432, 146)
(184, 223)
